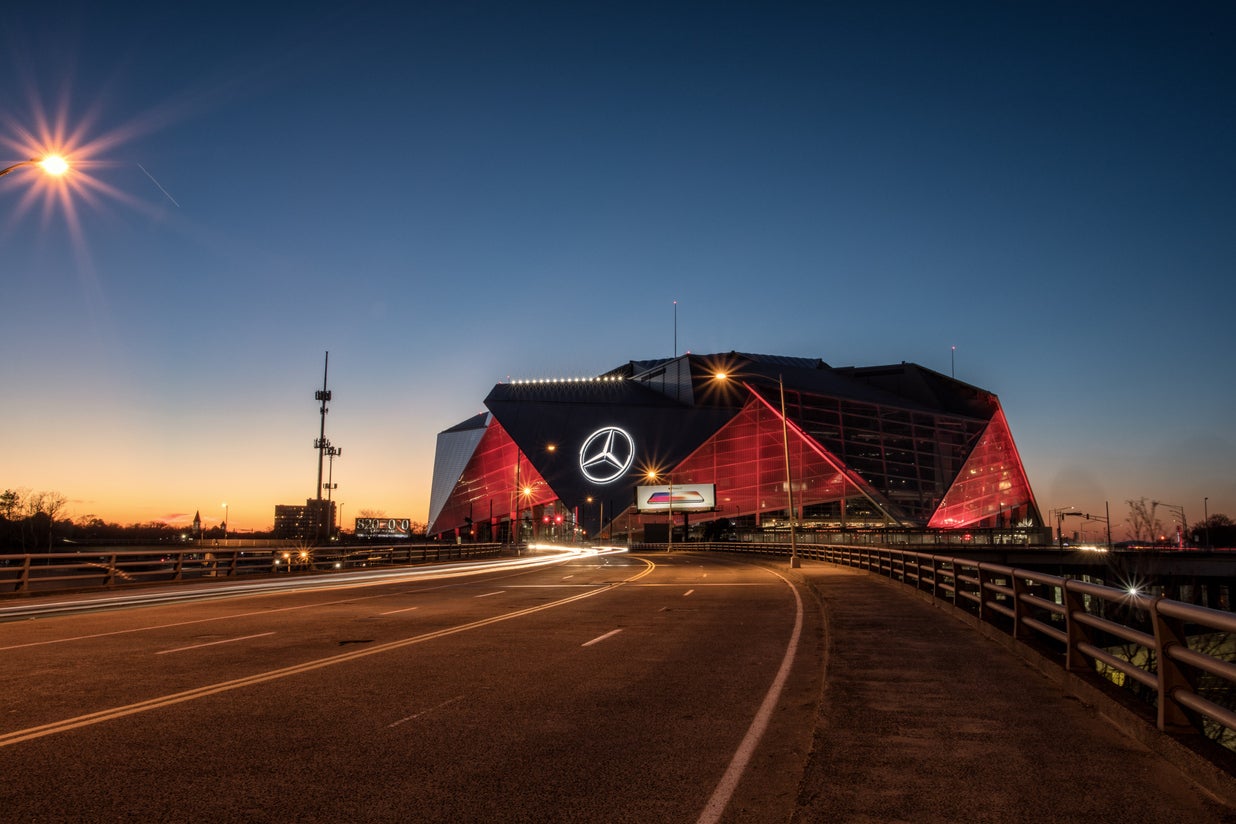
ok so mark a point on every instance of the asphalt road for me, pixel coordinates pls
(602, 688)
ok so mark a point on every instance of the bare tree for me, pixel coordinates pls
(45, 505)
(1143, 526)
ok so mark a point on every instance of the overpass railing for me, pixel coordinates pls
(1174, 657)
(111, 567)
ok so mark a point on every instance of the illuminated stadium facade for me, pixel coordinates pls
(896, 446)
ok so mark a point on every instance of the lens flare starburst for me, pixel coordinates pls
(55, 166)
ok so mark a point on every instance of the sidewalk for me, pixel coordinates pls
(923, 719)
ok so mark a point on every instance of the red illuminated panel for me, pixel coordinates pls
(992, 488)
(746, 461)
(487, 488)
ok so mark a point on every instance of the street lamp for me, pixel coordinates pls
(1206, 519)
(54, 165)
(225, 520)
(652, 476)
(600, 533)
(789, 480)
(1179, 511)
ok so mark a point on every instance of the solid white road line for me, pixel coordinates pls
(742, 756)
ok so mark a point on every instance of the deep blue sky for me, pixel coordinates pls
(449, 195)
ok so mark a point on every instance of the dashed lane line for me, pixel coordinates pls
(19, 736)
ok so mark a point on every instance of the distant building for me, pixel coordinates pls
(315, 521)
(885, 446)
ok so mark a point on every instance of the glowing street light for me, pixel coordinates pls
(54, 165)
(652, 476)
(789, 479)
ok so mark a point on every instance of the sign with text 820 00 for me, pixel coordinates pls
(383, 528)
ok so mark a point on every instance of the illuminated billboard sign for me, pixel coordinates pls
(383, 528)
(679, 498)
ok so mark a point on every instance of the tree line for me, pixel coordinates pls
(1145, 526)
(38, 522)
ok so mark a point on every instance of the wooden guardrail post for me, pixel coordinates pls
(23, 583)
(984, 578)
(1076, 632)
(1021, 588)
(1172, 675)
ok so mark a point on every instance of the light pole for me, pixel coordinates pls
(652, 476)
(225, 520)
(54, 165)
(1179, 510)
(1206, 519)
(789, 481)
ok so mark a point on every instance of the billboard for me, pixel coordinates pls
(386, 528)
(676, 497)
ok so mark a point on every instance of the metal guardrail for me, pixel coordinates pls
(1173, 655)
(112, 567)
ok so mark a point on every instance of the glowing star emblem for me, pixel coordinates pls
(606, 455)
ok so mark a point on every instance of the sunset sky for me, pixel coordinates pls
(447, 195)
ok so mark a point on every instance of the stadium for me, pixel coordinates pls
(718, 445)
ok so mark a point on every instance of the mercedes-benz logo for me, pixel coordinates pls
(606, 455)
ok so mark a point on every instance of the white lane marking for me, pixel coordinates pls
(397, 611)
(688, 592)
(742, 756)
(8, 739)
(487, 594)
(214, 643)
(194, 621)
(568, 577)
(416, 715)
(601, 638)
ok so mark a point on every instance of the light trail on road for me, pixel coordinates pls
(19, 736)
(300, 583)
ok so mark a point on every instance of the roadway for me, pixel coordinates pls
(597, 688)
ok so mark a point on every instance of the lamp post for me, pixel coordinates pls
(652, 476)
(1206, 519)
(225, 520)
(600, 533)
(1179, 510)
(54, 165)
(789, 481)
